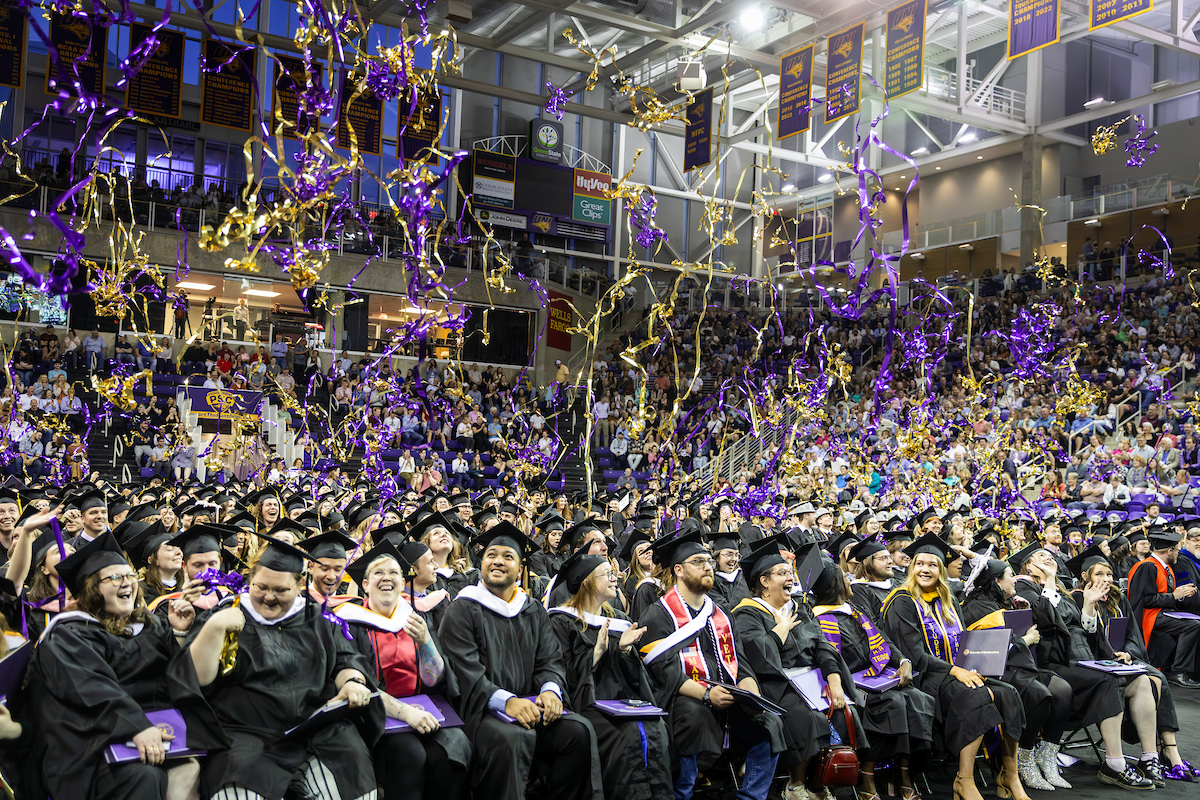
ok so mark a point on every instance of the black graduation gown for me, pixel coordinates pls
(644, 596)
(1096, 695)
(868, 597)
(697, 730)
(1134, 645)
(807, 729)
(726, 593)
(963, 713)
(283, 673)
(455, 582)
(634, 760)
(88, 688)
(489, 652)
(545, 564)
(900, 720)
(452, 740)
(1173, 643)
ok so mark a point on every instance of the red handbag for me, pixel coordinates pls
(837, 765)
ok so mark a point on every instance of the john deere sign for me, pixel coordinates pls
(546, 141)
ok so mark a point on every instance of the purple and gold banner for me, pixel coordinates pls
(904, 58)
(82, 51)
(227, 87)
(697, 139)
(12, 46)
(290, 80)
(795, 93)
(1032, 25)
(362, 113)
(1106, 12)
(420, 124)
(231, 404)
(157, 88)
(843, 73)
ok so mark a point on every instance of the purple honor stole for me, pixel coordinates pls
(880, 653)
(941, 637)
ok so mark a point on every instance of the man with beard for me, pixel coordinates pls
(1053, 539)
(691, 648)
(873, 577)
(1170, 642)
(508, 664)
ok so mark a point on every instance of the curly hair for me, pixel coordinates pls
(91, 601)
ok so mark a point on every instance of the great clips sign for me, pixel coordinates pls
(592, 205)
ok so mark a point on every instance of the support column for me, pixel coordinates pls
(1031, 195)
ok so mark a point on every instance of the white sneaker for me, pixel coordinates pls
(798, 792)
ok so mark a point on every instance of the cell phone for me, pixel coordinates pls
(635, 703)
(1108, 662)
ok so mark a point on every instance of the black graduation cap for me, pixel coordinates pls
(90, 558)
(199, 539)
(242, 520)
(89, 500)
(862, 517)
(635, 538)
(1135, 537)
(926, 515)
(865, 549)
(395, 533)
(1017, 560)
(311, 521)
(763, 555)
(550, 520)
(460, 500)
(576, 569)
(809, 563)
(481, 518)
(41, 547)
(361, 513)
(128, 531)
(281, 556)
(510, 508)
(145, 544)
(1162, 539)
(254, 497)
(1086, 560)
(385, 549)
(9, 497)
(932, 544)
(898, 533)
(838, 543)
(827, 577)
(485, 497)
(508, 535)
(296, 502)
(140, 512)
(327, 545)
(428, 523)
(575, 534)
(673, 549)
(287, 525)
(1117, 541)
(13, 482)
(722, 540)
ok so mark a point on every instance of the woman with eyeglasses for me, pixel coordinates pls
(599, 645)
(95, 673)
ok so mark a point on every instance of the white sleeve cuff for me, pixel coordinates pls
(551, 686)
(499, 699)
(1051, 594)
(1090, 624)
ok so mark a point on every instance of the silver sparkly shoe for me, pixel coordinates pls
(1027, 768)
(1046, 755)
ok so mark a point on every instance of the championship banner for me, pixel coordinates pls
(843, 73)
(157, 88)
(420, 123)
(1032, 25)
(227, 92)
(591, 203)
(558, 327)
(12, 47)
(904, 58)
(232, 404)
(795, 92)
(1106, 12)
(82, 50)
(697, 140)
(362, 112)
(288, 82)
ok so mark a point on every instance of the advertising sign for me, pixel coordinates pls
(546, 140)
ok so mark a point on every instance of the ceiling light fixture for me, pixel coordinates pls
(788, 187)
(1096, 103)
(920, 151)
(824, 177)
(200, 287)
(967, 138)
(979, 158)
(753, 19)
(261, 293)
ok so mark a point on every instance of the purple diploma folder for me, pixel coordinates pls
(12, 669)
(810, 684)
(168, 721)
(1019, 620)
(623, 708)
(1181, 615)
(885, 680)
(1118, 628)
(437, 706)
(533, 699)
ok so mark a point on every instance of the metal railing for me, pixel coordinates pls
(995, 99)
(733, 459)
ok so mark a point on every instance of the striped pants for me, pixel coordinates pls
(318, 784)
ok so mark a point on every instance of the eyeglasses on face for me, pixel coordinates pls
(120, 578)
(701, 561)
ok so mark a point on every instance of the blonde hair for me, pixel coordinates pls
(582, 601)
(947, 615)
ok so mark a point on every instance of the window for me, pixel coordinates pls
(173, 162)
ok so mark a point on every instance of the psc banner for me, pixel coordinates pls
(232, 404)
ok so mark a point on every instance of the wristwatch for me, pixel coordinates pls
(707, 692)
(356, 679)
